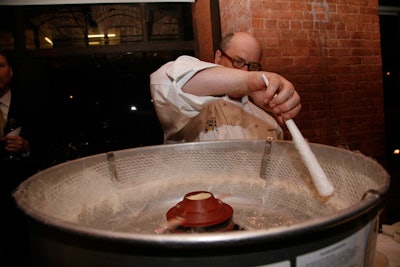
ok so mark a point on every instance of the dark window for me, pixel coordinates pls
(88, 93)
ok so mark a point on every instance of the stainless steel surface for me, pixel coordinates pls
(84, 198)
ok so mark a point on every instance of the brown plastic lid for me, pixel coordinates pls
(200, 209)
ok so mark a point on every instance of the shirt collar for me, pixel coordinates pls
(6, 99)
(243, 100)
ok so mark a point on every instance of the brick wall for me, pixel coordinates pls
(203, 30)
(330, 50)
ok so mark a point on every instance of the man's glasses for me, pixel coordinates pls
(239, 63)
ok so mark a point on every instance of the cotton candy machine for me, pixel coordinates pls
(111, 209)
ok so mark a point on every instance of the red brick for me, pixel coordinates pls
(333, 59)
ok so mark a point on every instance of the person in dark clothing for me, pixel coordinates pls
(16, 164)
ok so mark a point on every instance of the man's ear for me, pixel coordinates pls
(217, 56)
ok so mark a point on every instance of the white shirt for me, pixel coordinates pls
(5, 101)
(186, 117)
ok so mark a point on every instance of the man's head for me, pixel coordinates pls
(6, 74)
(239, 50)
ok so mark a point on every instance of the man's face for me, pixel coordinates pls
(6, 74)
(242, 47)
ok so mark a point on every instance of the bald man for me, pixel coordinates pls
(225, 100)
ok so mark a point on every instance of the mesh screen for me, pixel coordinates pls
(132, 190)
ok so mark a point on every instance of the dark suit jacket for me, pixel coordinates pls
(14, 171)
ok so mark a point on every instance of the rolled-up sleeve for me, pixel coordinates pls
(173, 106)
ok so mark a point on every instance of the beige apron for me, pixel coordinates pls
(222, 120)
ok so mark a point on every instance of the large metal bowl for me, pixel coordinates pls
(108, 209)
